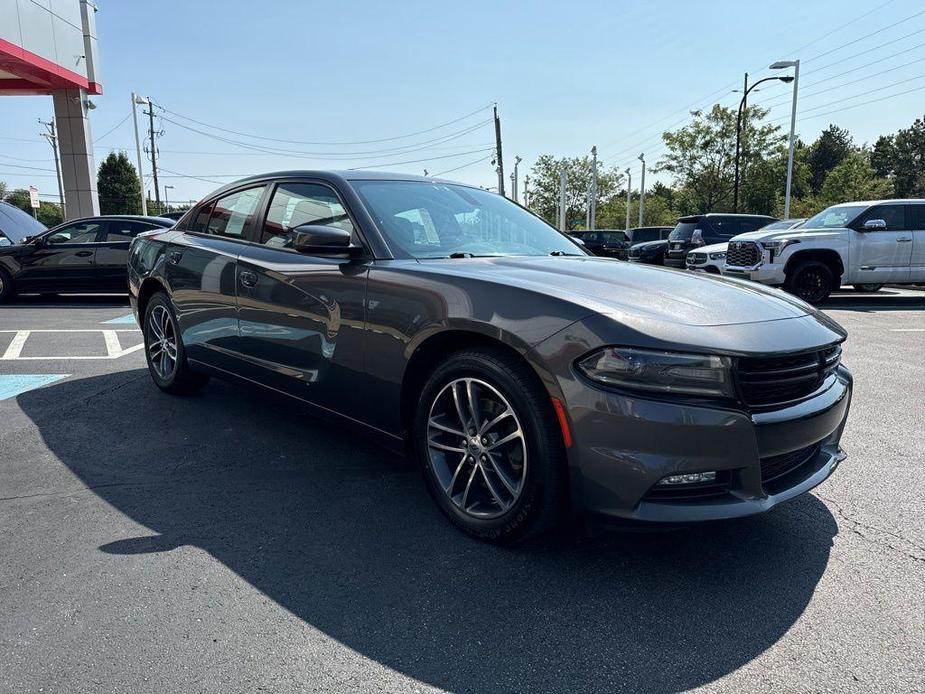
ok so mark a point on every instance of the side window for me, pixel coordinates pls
(233, 214)
(721, 227)
(200, 222)
(893, 215)
(294, 204)
(125, 231)
(917, 214)
(82, 232)
(747, 224)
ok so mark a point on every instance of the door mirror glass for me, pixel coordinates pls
(874, 224)
(315, 239)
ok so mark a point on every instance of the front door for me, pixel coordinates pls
(882, 255)
(917, 263)
(301, 316)
(64, 262)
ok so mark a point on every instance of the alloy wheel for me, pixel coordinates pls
(811, 286)
(162, 342)
(476, 448)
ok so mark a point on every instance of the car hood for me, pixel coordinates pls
(715, 248)
(605, 286)
(787, 233)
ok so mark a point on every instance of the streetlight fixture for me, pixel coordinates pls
(780, 65)
(136, 99)
(786, 79)
(166, 203)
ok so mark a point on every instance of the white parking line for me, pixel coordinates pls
(114, 348)
(907, 330)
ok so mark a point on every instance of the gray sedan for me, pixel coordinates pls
(524, 376)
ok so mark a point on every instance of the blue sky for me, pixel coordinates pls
(565, 76)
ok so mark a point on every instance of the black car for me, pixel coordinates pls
(648, 252)
(524, 375)
(707, 229)
(607, 243)
(83, 255)
(644, 234)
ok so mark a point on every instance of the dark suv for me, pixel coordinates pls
(609, 243)
(707, 229)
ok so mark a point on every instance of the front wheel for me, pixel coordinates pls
(491, 451)
(867, 287)
(811, 281)
(164, 350)
(7, 290)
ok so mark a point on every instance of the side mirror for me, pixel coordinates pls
(874, 224)
(315, 239)
(37, 241)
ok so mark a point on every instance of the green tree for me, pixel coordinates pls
(854, 179)
(20, 198)
(909, 161)
(544, 188)
(49, 214)
(827, 152)
(701, 155)
(117, 185)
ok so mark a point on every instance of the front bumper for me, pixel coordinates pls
(625, 444)
(675, 261)
(765, 273)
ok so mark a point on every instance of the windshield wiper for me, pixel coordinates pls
(560, 253)
(460, 254)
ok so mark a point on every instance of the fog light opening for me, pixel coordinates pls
(689, 478)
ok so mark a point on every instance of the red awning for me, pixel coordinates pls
(24, 72)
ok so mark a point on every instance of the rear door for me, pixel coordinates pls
(201, 271)
(64, 261)
(882, 255)
(112, 251)
(302, 316)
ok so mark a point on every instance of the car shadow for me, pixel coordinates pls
(343, 535)
(34, 301)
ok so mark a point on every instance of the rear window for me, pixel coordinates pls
(643, 235)
(613, 237)
(684, 231)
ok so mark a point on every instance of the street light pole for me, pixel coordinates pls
(629, 193)
(563, 211)
(141, 178)
(795, 64)
(514, 175)
(642, 189)
(52, 137)
(592, 211)
(166, 203)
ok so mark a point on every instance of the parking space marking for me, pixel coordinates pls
(907, 330)
(114, 348)
(128, 319)
(15, 347)
(17, 384)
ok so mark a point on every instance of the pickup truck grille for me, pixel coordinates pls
(742, 254)
(768, 382)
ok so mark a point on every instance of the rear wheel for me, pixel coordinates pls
(491, 451)
(811, 281)
(164, 350)
(7, 290)
(867, 287)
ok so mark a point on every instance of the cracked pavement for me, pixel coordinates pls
(230, 542)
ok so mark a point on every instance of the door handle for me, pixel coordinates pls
(174, 257)
(83, 254)
(248, 279)
(903, 240)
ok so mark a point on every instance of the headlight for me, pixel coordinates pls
(774, 248)
(661, 372)
(717, 256)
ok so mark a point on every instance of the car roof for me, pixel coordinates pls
(131, 217)
(695, 217)
(868, 203)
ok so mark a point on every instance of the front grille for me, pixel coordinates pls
(695, 258)
(767, 382)
(634, 253)
(743, 254)
(777, 467)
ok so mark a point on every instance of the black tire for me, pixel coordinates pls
(811, 281)
(160, 321)
(541, 481)
(867, 287)
(7, 289)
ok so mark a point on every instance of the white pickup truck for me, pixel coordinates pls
(863, 244)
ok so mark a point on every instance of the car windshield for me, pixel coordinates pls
(684, 231)
(834, 217)
(783, 224)
(438, 220)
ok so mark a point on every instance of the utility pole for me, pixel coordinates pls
(157, 190)
(498, 155)
(141, 177)
(642, 190)
(52, 137)
(629, 193)
(563, 210)
(743, 106)
(593, 206)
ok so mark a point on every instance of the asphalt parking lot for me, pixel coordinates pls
(228, 542)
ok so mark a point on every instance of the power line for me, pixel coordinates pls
(863, 103)
(457, 168)
(853, 96)
(20, 166)
(840, 27)
(331, 144)
(114, 128)
(865, 36)
(413, 161)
